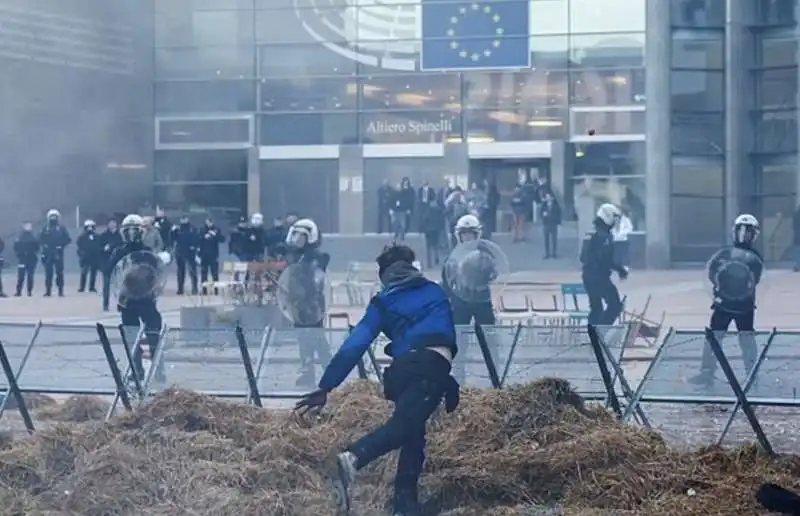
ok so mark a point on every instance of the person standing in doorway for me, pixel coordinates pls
(402, 208)
(425, 196)
(385, 197)
(551, 219)
(620, 233)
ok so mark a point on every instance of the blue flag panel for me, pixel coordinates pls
(471, 35)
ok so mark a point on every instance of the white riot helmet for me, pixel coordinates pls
(257, 219)
(468, 224)
(746, 229)
(305, 228)
(132, 228)
(53, 214)
(89, 224)
(609, 214)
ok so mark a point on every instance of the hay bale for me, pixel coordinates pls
(536, 447)
(75, 409)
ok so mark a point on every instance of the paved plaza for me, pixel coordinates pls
(67, 355)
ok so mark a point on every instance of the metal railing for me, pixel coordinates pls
(653, 388)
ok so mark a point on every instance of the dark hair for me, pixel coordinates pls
(394, 253)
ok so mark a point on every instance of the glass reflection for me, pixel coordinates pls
(204, 62)
(627, 192)
(591, 16)
(549, 17)
(308, 129)
(515, 89)
(550, 52)
(704, 53)
(516, 124)
(412, 91)
(704, 177)
(777, 132)
(308, 94)
(608, 159)
(410, 127)
(777, 88)
(698, 13)
(300, 60)
(607, 50)
(190, 27)
(698, 134)
(205, 96)
(697, 90)
(607, 87)
(608, 122)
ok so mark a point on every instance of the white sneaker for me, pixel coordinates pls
(343, 478)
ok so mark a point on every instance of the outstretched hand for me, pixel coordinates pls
(312, 402)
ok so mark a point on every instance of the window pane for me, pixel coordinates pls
(428, 91)
(515, 89)
(698, 133)
(306, 94)
(777, 132)
(549, 17)
(300, 60)
(698, 177)
(517, 124)
(608, 159)
(328, 23)
(777, 88)
(779, 180)
(199, 165)
(776, 12)
(607, 87)
(203, 5)
(308, 129)
(691, 13)
(698, 221)
(628, 192)
(704, 51)
(608, 122)
(204, 28)
(187, 197)
(778, 52)
(550, 52)
(607, 51)
(204, 131)
(697, 90)
(411, 127)
(591, 16)
(204, 62)
(205, 96)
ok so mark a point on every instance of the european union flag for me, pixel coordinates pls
(470, 35)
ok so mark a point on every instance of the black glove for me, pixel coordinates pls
(452, 395)
(312, 402)
(623, 273)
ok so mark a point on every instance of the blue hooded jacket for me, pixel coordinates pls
(411, 310)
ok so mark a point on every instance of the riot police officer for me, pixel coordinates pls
(209, 253)
(90, 255)
(53, 239)
(597, 261)
(164, 227)
(734, 273)
(26, 248)
(186, 240)
(110, 239)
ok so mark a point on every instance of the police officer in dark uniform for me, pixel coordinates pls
(303, 285)
(53, 239)
(90, 255)
(186, 239)
(209, 253)
(734, 273)
(26, 248)
(137, 310)
(597, 260)
(110, 239)
(275, 238)
(164, 227)
(256, 239)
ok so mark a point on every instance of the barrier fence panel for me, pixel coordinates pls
(213, 367)
(685, 409)
(18, 341)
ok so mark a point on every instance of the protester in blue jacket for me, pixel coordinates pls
(415, 314)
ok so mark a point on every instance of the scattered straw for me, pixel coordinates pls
(512, 452)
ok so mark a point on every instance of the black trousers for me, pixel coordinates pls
(416, 383)
(432, 242)
(720, 322)
(134, 314)
(88, 271)
(54, 267)
(550, 240)
(25, 274)
(209, 267)
(383, 220)
(605, 305)
(184, 263)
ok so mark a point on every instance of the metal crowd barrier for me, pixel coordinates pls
(264, 366)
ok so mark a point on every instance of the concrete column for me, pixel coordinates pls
(351, 190)
(253, 181)
(558, 171)
(737, 103)
(658, 56)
